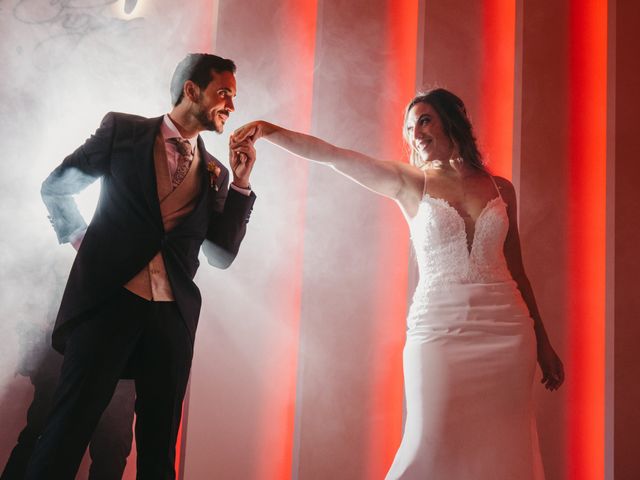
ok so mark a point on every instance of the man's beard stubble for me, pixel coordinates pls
(206, 123)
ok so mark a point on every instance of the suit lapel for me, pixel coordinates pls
(144, 136)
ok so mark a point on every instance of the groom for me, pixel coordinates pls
(130, 307)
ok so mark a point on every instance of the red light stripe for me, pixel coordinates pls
(587, 202)
(179, 447)
(497, 84)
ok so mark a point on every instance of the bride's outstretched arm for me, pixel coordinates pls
(387, 178)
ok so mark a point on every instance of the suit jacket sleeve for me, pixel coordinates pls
(227, 225)
(76, 172)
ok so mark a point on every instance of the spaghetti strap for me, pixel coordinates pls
(424, 185)
(495, 185)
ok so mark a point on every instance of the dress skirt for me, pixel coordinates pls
(469, 362)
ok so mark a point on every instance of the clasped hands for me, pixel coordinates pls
(242, 155)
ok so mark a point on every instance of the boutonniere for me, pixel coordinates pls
(214, 170)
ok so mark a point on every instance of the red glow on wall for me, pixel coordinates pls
(497, 84)
(385, 430)
(279, 403)
(587, 202)
(179, 447)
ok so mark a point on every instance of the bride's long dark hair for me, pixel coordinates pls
(455, 122)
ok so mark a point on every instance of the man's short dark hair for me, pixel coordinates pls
(197, 68)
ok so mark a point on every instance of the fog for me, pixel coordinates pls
(65, 64)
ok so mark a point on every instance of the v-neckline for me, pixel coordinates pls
(444, 202)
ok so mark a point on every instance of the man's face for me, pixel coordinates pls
(215, 102)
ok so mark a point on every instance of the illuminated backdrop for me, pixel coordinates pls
(298, 358)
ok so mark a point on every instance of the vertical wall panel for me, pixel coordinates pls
(453, 51)
(243, 387)
(587, 204)
(543, 180)
(626, 301)
(294, 64)
(392, 239)
(354, 289)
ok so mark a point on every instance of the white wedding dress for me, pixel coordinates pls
(469, 357)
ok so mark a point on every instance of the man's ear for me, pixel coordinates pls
(191, 91)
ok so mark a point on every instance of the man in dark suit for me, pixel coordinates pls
(130, 307)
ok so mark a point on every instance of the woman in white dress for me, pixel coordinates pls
(473, 330)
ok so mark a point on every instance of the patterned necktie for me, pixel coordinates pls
(185, 157)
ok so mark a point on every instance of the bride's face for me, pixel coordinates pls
(426, 134)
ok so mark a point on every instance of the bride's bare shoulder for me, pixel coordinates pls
(412, 190)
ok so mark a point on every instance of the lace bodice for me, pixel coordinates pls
(440, 242)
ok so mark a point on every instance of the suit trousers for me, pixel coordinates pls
(111, 441)
(128, 334)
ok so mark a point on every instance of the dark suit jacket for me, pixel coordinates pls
(127, 231)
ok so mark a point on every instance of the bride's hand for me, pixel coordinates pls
(252, 131)
(551, 366)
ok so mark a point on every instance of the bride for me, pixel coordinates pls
(474, 332)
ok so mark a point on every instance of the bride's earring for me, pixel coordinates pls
(455, 155)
